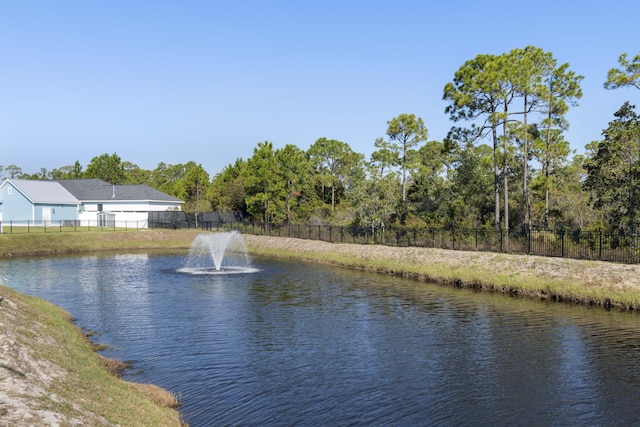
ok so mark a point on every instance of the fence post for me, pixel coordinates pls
(453, 238)
(562, 242)
(528, 231)
(600, 246)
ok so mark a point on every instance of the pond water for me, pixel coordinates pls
(300, 344)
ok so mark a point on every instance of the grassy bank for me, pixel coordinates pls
(592, 283)
(90, 241)
(50, 374)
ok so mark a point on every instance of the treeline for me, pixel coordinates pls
(504, 165)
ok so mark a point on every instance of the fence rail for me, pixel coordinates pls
(584, 245)
(28, 226)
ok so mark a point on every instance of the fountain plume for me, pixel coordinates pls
(226, 251)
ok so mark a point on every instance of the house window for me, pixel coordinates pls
(99, 207)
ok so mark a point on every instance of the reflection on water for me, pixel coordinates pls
(297, 344)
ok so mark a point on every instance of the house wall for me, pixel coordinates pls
(15, 207)
(57, 212)
(122, 219)
(135, 206)
(127, 214)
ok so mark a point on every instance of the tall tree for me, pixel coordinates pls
(471, 184)
(63, 172)
(108, 168)
(191, 188)
(260, 186)
(486, 90)
(614, 172)
(294, 172)
(13, 171)
(333, 162)
(374, 200)
(384, 157)
(559, 91)
(628, 75)
(406, 132)
(527, 70)
(430, 193)
(135, 174)
(166, 178)
(227, 188)
(477, 93)
(568, 201)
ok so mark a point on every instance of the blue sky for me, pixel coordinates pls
(174, 81)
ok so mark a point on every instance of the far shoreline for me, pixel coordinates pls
(591, 283)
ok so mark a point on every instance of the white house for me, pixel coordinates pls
(91, 201)
(118, 204)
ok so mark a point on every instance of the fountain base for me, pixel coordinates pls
(221, 271)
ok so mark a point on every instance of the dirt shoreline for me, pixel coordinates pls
(50, 374)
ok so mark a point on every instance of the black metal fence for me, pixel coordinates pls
(179, 219)
(584, 245)
(595, 245)
(30, 226)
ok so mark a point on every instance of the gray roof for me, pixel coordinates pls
(93, 190)
(43, 191)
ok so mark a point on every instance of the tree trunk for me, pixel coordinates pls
(505, 171)
(496, 180)
(333, 196)
(525, 172)
(404, 178)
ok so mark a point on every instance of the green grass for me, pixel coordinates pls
(63, 243)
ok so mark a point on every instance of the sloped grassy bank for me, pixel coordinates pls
(51, 375)
(591, 283)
